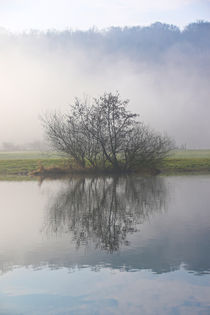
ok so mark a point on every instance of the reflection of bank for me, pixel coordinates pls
(104, 210)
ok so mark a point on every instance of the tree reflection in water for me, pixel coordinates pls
(104, 209)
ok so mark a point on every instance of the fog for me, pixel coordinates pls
(164, 72)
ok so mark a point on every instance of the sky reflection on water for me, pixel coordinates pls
(84, 291)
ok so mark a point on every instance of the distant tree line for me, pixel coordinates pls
(136, 42)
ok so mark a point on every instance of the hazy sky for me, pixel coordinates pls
(18, 15)
(35, 79)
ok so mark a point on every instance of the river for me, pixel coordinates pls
(105, 245)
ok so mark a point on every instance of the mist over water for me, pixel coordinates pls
(163, 71)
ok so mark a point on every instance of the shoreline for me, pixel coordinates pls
(31, 169)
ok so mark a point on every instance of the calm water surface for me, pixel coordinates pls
(106, 245)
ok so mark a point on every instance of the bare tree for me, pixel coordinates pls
(105, 135)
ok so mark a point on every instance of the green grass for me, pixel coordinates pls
(184, 165)
(18, 165)
(23, 167)
(25, 155)
(183, 154)
(187, 161)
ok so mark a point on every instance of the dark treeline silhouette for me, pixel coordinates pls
(150, 42)
(103, 210)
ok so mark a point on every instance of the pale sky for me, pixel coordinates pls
(19, 15)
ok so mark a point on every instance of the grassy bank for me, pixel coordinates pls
(187, 161)
(18, 165)
(185, 165)
(16, 168)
